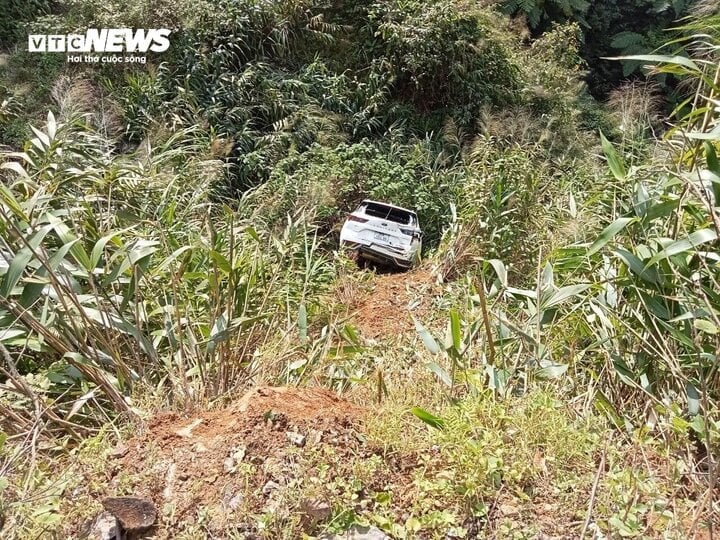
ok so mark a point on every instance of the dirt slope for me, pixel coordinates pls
(387, 308)
(237, 461)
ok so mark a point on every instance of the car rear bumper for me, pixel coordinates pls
(379, 254)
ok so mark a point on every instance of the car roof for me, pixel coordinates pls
(387, 204)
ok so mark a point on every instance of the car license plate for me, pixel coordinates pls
(382, 237)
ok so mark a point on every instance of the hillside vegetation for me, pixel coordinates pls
(169, 241)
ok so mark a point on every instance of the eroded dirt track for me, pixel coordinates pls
(387, 308)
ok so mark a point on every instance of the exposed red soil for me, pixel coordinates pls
(387, 308)
(234, 458)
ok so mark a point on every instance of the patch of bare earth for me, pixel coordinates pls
(238, 463)
(387, 307)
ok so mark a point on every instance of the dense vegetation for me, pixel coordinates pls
(168, 231)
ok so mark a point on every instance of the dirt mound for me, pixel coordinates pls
(386, 309)
(233, 462)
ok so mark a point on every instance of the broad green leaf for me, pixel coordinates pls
(297, 364)
(617, 167)
(252, 233)
(705, 326)
(66, 236)
(642, 200)
(636, 266)
(429, 341)
(32, 291)
(497, 378)
(9, 199)
(455, 330)
(661, 209)
(15, 271)
(441, 373)
(51, 125)
(219, 259)
(692, 241)
(683, 61)
(609, 233)
(15, 167)
(552, 371)
(711, 157)
(428, 418)
(41, 136)
(713, 135)
(547, 279)
(500, 271)
(563, 294)
(170, 258)
(99, 246)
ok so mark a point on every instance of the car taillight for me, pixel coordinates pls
(352, 217)
(409, 232)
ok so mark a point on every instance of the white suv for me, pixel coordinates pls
(383, 233)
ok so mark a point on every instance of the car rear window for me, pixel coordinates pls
(396, 215)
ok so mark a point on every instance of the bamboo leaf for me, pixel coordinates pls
(637, 267)
(427, 339)
(551, 371)
(676, 60)
(15, 167)
(609, 233)
(617, 167)
(43, 138)
(692, 241)
(455, 330)
(430, 419)
(563, 294)
(15, 271)
(441, 374)
(51, 125)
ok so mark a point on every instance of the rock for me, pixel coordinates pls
(314, 437)
(186, 431)
(298, 439)
(356, 532)
(119, 451)
(134, 514)
(236, 501)
(104, 527)
(270, 487)
(316, 509)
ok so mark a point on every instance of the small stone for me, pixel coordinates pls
(317, 509)
(169, 482)
(270, 487)
(356, 532)
(119, 451)
(104, 527)
(295, 438)
(236, 501)
(186, 431)
(199, 448)
(314, 437)
(133, 513)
